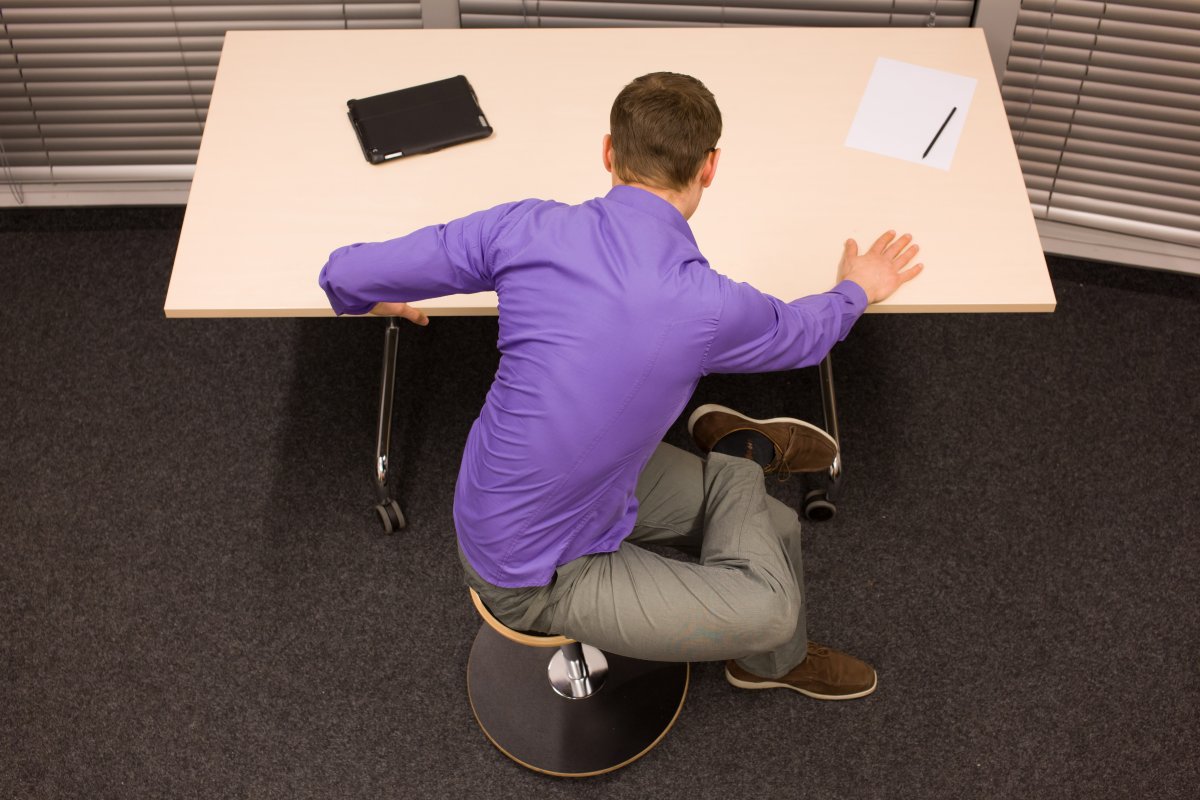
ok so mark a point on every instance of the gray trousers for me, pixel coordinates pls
(744, 600)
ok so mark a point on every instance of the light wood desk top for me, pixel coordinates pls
(280, 180)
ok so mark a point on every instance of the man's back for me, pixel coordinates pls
(606, 311)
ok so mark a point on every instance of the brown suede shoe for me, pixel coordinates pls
(824, 674)
(799, 446)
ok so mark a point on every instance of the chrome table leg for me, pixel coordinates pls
(819, 503)
(388, 509)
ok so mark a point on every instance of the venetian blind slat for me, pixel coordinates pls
(815, 13)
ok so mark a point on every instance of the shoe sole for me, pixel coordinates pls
(710, 407)
(815, 695)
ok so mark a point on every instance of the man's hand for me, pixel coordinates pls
(413, 315)
(881, 270)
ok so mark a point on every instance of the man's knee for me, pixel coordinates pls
(783, 519)
(772, 619)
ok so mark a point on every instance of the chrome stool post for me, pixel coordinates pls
(577, 671)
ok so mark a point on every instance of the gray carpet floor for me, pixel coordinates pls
(196, 599)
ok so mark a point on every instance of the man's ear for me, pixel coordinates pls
(606, 152)
(709, 170)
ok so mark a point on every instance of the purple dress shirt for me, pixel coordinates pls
(609, 316)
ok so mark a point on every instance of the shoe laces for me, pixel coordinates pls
(782, 475)
(814, 649)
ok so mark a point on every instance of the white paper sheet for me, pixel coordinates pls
(902, 109)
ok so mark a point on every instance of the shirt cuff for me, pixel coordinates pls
(854, 293)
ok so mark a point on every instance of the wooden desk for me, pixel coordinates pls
(280, 180)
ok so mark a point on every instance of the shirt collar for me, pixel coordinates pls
(651, 204)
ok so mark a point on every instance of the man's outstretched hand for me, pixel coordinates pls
(881, 270)
(413, 315)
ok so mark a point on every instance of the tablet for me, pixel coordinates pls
(419, 119)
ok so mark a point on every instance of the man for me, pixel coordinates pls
(609, 316)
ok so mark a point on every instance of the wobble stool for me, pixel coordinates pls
(575, 712)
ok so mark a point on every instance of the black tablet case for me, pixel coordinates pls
(419, 119)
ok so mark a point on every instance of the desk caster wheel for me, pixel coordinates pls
(817, 506)
(391, 516)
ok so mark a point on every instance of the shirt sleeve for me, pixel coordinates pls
(440, 260)
(760, 333)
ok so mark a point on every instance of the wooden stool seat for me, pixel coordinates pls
(527, 639)
(625, 708)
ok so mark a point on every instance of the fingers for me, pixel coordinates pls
(414, 315)
(882, 242)
(908, 274)
(895, 249)
(883, 268)
(905, 257)
(897, 246)
(402, 310)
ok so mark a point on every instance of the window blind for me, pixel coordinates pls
(1104, 103)
(658, 13)
(98, 91)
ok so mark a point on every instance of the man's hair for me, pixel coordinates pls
(662, 126)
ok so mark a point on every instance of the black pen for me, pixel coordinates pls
(939, 133)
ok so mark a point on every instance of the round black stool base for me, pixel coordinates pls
(515, 705)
